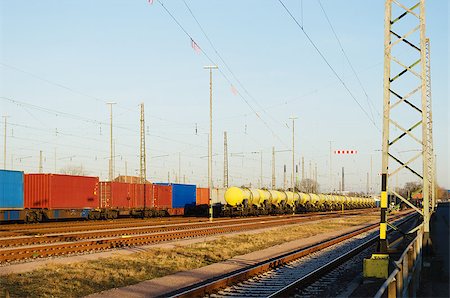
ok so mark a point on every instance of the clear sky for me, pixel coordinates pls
(61, 61)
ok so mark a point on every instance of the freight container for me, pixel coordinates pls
(11, 189)
(218, 196)
(55, 191)
(183, 195)
(118, 195)
(162, 196)
(202, 196)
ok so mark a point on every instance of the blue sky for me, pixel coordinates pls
(61, 61)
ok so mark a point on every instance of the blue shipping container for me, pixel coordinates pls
(11, 189)
(182, 194)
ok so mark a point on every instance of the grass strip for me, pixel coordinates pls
(83, 278)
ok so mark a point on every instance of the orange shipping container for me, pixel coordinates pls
(162, 196)
(125, 195)
(202, 196)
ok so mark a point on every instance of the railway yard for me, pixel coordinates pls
(198, 245)
(215, 149)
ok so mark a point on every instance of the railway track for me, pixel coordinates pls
(292, 273)
(18, 248)
(10, 230)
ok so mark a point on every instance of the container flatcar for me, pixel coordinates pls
(11, 195)
(56, 196)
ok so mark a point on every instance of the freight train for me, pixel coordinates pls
(43, 197)
(250, 201)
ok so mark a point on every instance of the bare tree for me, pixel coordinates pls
(74, 170)
(409, 188)
(308, 185)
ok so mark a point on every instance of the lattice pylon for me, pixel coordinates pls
(430, 148)
(405, 90)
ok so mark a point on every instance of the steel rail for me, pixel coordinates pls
(316, 274)
(45, 228)
(133, 230)
(39, 251)
(209, 286)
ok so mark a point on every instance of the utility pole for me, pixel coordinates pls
(210, 67)
(400, 94)
(111, 154)
(179, 168)
(303, 168)
(55, 160)
(429, 156)
(310, 171)
(273, 167)
(261, 168)
(315, 178)
(396, 37)
(40, 162)
(371, 174)
(293, 151)
(367, 185)
(143, 164)
(331, 176)
(4, 142)
(343, 184)
(284, 177)
(225, 160)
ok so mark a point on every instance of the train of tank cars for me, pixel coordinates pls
(43, 197)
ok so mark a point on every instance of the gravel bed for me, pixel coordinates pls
(271, 281)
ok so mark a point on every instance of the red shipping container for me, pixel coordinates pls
(162, 196)
(125, 195)
(55, 191)
(202, 196)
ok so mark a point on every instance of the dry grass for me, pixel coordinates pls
(83, 278)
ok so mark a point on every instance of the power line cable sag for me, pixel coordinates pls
(369, 102)
(97, 99)
(221, 72)
(329, 65)
(228, 67)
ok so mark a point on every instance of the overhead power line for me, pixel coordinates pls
(228, 67)
(220, 71)
(97, 99)
(369, 102)
(329, 65)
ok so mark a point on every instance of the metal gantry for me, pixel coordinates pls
(225, 160)
(142, 159)
(429, 113)
(407, 120)
(210, 184)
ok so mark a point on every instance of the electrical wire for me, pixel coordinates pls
(228, 67)
(329, 65)
(221, 72)
(97, 99)
(369, 101)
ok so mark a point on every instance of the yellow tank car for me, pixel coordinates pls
(264, 195)
(234, 196)
(255, 196)
(274, 197)
(322, 199)
(296, 197)
(282, 196)
(290, 198)
(304, 199)
(314, 199)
